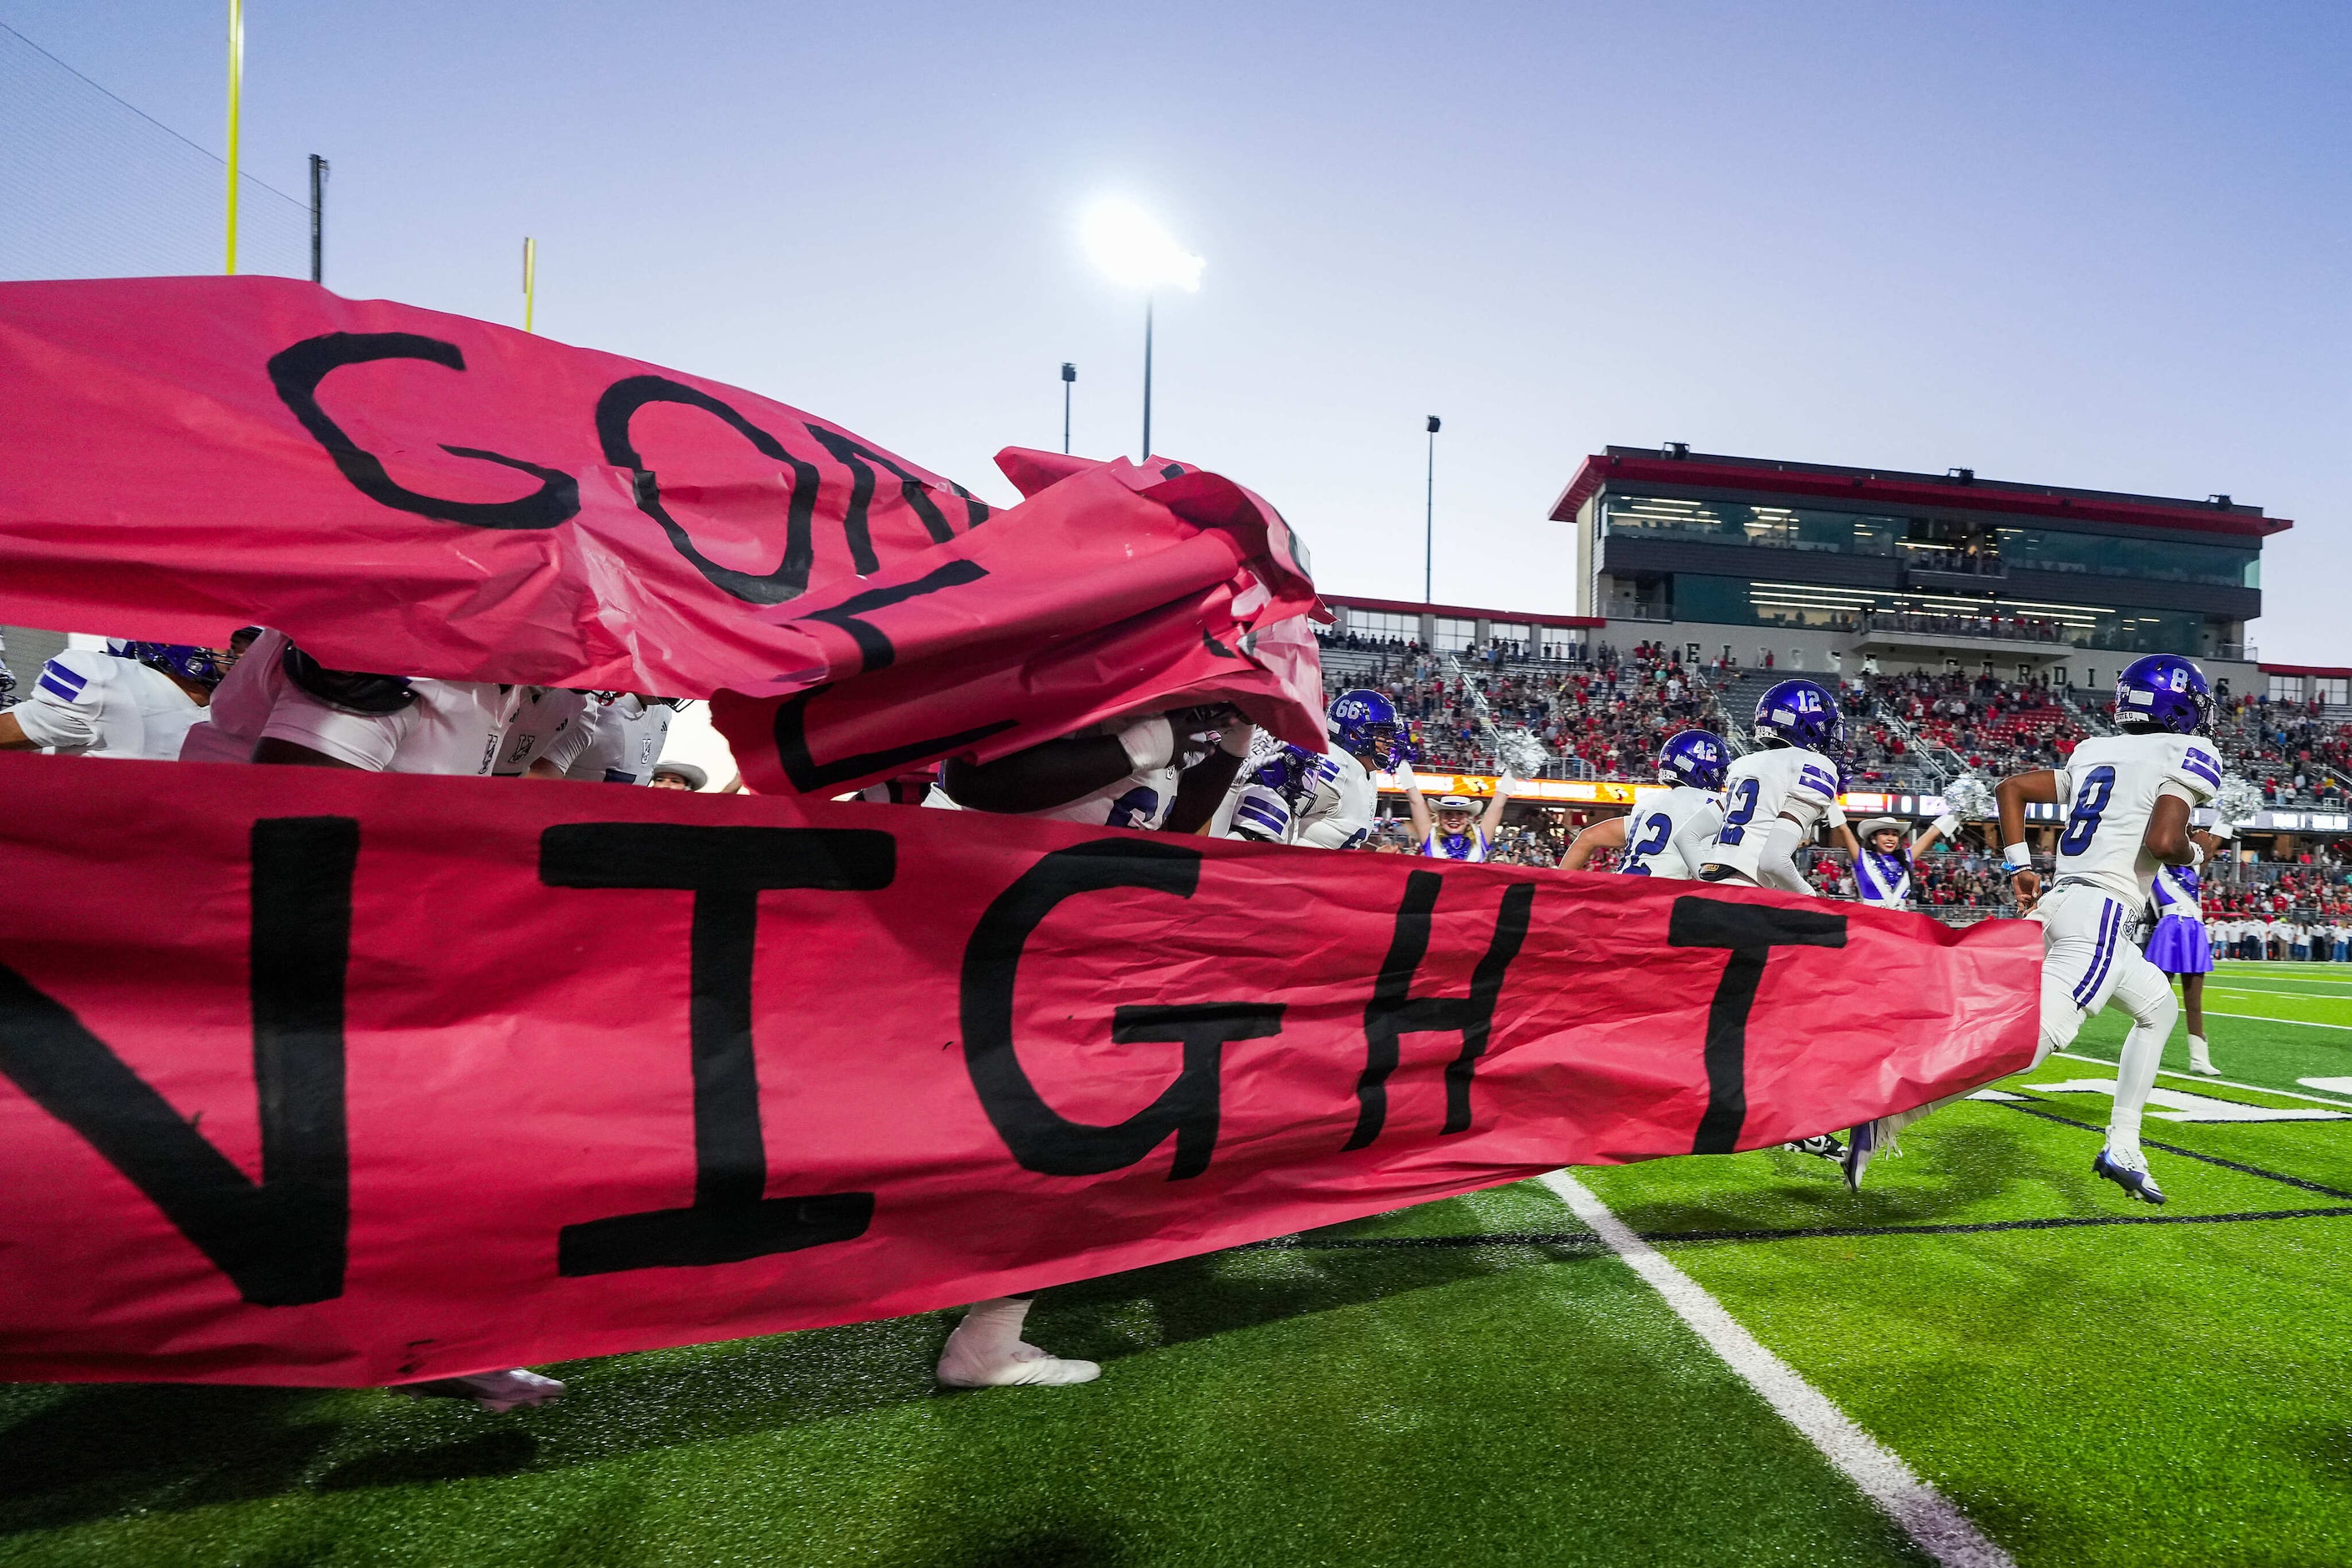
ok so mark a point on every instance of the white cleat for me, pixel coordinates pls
(2199, 1062)
(963, 1367)
(496, 1392)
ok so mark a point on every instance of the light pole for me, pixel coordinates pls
(236, 111)
(1069, 374)
(1429, 520)
(1130, 246)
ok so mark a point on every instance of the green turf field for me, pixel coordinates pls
(1479, 1381)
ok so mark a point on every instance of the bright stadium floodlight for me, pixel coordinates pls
(1130, 247)
(1135, 252)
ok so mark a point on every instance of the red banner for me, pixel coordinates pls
(421, 494)
(300, 1083)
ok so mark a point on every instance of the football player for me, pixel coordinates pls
(1288, 795)
(139, 702)
(1670, 835)
(280, 705)
(1162, 771)
(547, 731)
(2128, 799)
(1776, 796)
(624, 736)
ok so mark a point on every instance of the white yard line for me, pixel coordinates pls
(2224, 1083)
(1927, 1516)
(2267, 1018)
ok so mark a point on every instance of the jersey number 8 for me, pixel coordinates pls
(2090, 805)
(1743, 807)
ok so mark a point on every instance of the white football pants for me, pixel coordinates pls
(2088, 961)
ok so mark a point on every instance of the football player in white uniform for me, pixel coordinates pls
(1670, 835)
(626, 735)
(545, 733)
(280, 705)
(140, 703)
(1288, 795)
(2127, 800)
(1166, 772)
(1776, 796)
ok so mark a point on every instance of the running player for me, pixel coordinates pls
(1777, 794)
(2179, 945)
(1288, 795)
(1160, 771)
(1670, 835)
(2127, 800)
(140, 703)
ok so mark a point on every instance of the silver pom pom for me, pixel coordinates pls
(1968, 798)
(2237, 801)
(1521, 755)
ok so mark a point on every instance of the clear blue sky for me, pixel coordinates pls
(2102, 245)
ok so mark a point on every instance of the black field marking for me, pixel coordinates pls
(1583, 1241)
(2186, 1153)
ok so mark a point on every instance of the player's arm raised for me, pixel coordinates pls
(1597, 836)
(1202, 787)
(2012, 796)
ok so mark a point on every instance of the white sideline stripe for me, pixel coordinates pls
(1939, 1529)
(2266, 1018)
(2224, 1083)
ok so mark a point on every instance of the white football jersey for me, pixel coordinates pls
(1329, 807)
(547, 721)
(623, 740)
(1671, 835)
(2111, 786)
(453, 727)
(103, 705)
(1140, 801)
(1762, 786)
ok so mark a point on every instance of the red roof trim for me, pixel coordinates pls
(1462, 611)
(1601, 469)
(2322, 670)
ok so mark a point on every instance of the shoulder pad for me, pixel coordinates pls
(350, 690)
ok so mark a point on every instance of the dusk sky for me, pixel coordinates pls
(2090, 245)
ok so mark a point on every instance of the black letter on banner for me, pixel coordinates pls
(1394, 1011)
(297, 372)
(790, 579)
(1040, 1137)
(875, 652)
(918, 495)
(726, 869)
(1751, 931)
(282, 1243)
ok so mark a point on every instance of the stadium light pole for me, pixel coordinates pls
(1135, 252)
(1429, 520)
(318, 219)
(529, 278)
(1069, 374)
(235, 103)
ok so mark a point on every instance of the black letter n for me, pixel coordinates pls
(1394, 1011)
(283, 1241)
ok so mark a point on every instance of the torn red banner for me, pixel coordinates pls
(421, 494)
(299, 1085)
